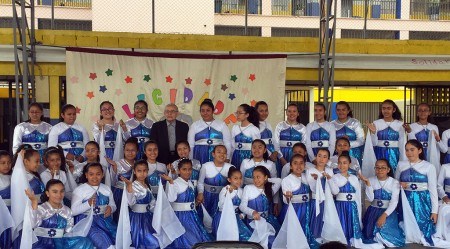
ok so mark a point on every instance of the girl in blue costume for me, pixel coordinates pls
(388, 134)
(418, 178)
(96, 195)
(31, 161)
(139, 126)
(70, 136)
(257, 199)
(52, 219)
(444, 145)
(234, 189)
(267, 133)
(421, 129)
(343, 146)
(350, 128)
(380, 223)
(34, 131)
(320, 172)
(181, 195)
(259, 157)
(156, 169)
(183, 151)
(320, 133)
(206, 133)
(5, 193)
(296, 190)
(142, 203)
(92, 153)
(122, 168)
(300, 149)
(213, 177)
(244, 134)
(288, 133)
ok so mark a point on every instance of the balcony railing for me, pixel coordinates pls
(295, 7)
(377, 9)
(237, 6)
(430, 10)
(67, 3)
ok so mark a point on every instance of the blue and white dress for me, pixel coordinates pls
(35, 135)
(267, 136)
(46, 176)
(287, 169)
(318, 136)
(286, 136)
(383, 196)
(244, 231)
(212, 180)
(123, 169)
(204, 136)
(140, 130)
(72, 138)
(351, 128)
(181, 195)
(103, 230)
(110, 137)
(421, 194)
(155, 170)
(242, 142)
(196, 167)
(301, 203)
(421, 133)
(443, 187)
(141, 204)
(5, 193)
(444, 145)
(389, 141)
(51, 224)
(248, 165)
(354, 165)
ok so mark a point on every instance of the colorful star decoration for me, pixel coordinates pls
(252, 77)
(253, 102)
(103, 89)
(128, 80)
(224, 87)
(77, 110)
(118, 92)
(74, 79)
(233, 78)
(90, 95)
(169, 79)
(207, 82)
(188, 80)
(231, 96)
(245, 90)
(92, 76)
(109, 72)
(147, 77)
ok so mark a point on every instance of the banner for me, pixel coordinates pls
(123, 77)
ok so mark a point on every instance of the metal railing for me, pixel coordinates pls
(377, 9)
(295, 7)
(67, 3)
(237, 6)
(430, 10)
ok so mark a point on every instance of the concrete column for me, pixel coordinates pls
(55, 99)
(338, 8)
(405, 9)
(266, 7)
(404, 35)
(266, 31)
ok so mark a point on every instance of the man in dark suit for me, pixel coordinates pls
(167, 133)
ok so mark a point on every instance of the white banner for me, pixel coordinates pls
(123, 77)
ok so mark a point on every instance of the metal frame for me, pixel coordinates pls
(327, 44)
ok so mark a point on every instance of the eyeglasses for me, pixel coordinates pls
(380, 168)
(108, 109)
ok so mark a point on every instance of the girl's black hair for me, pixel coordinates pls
(83, 178)
(27, 155)
(144, 156)
(49, 184)
(253, 116)
(141, 102)
(266, 154)
(267, 184)
(343, 139)
(19, 149)
(324, 109)
(297, 156)
(233, 170)
(96, 146)
(207, 102)
(299, 144)
(5, 153)
(430, 117)
(298, 110)
(132, 140)
(55, 150)
(350, 112)
(418, 145)
(184, 161)
(345, 154)
(324, 149)
(180, 143)
(64, 108)
(260, 103)
(219, 145)
(106, 102)
(391, 172)
(397, 114)
(141, 162)
(35, 104)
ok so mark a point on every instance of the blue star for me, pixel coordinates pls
(231, 96)
(103, 89)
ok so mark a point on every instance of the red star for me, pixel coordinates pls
(93, 76)
(90, 95)
(78, 110)
(188, 80)
(128, 80)
(207, 82)
(253, 102)
(169, 79)
(252, 77)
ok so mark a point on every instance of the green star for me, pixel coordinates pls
(147, 77)
(233, 78)
(109, 72)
